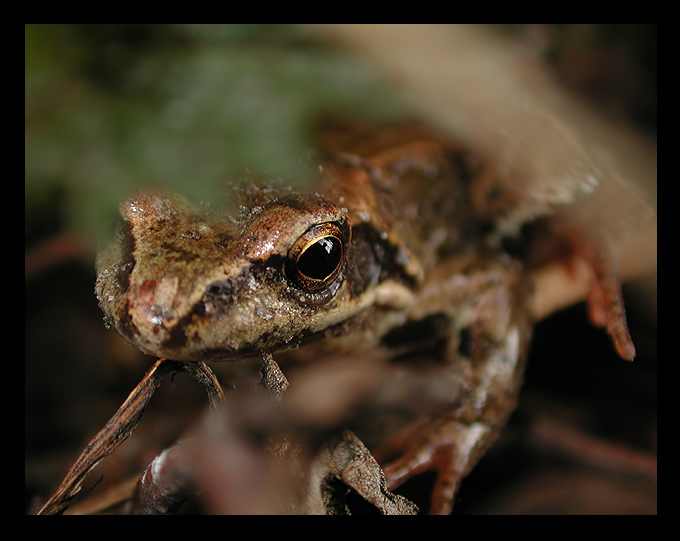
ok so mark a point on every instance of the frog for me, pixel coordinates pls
(397, 257)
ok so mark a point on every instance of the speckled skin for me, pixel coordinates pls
(421, 278)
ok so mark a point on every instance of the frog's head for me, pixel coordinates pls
(187, 285)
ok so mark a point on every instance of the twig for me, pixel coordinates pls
(585, 449)
(109, 498)
(121, 426)
(53, 251)
(169, 479)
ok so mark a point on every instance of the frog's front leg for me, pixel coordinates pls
(484, 349)
(344, 458)
(448, 448)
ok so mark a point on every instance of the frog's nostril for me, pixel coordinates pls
(219, 296)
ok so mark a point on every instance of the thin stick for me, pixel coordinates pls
(121, 426)
(586, 449)
(109, 498)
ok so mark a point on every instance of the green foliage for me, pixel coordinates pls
(109, 108)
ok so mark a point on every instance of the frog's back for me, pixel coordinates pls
(405, 182)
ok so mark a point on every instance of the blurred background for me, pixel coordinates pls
(185, 107)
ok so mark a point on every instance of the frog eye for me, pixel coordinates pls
(316, 257)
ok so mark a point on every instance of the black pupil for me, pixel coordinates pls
(320, 259)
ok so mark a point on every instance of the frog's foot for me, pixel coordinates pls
(606, 308)
(604, 298)
(450, 449)
(605, 301)
(349, 461)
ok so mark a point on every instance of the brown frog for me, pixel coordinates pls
(399, 257)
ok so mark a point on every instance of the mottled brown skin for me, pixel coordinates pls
(169, 282)
(421, 283)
